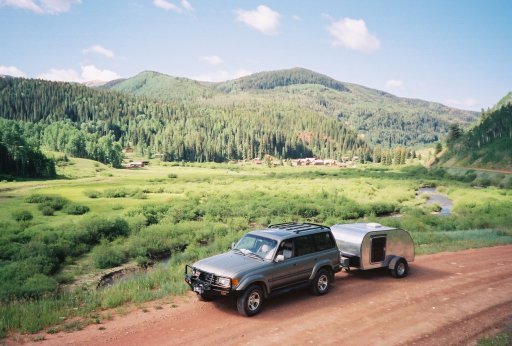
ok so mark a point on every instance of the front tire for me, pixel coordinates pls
(401, 269)
(321, 283)
(251, 301)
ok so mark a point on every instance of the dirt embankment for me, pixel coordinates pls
(449, 298)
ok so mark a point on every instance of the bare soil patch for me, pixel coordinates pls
(448, 298)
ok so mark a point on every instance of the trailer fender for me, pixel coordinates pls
(393, 261)
(318, 266)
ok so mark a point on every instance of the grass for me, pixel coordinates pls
(189, 211)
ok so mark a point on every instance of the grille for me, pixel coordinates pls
(206, 277)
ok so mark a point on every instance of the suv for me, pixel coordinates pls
(266, 262)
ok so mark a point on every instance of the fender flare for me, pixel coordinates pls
(322, 264)
(247, 281)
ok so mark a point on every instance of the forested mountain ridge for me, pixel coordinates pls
(505, 100)
(486, 145)
(91, 123)
(380, 117)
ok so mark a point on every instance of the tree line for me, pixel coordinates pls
(86, 122)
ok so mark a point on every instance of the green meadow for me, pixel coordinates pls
(58, 234)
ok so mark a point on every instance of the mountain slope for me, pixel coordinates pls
(68, 114)
(159, 86)
(379, 117)
(505, 100)
(487, 145)
(281, 78)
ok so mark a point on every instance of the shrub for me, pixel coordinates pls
(172, 176)
(118, 192)
(22, 215)
(307, 212)
(75, 209)
(92, 193)
(54, 201)
(139, 195)
(39, 285)
(100, 227)
(106, 255)
(46, 210)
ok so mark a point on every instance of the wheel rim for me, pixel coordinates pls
(254, 301)
(400, 269)
(323, 282)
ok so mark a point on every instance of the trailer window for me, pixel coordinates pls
(378, 249)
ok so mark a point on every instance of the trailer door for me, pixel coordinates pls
(378, 253)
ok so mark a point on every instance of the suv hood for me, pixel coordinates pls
(228, 264)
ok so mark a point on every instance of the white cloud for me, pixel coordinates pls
(353, 34)
(98, 49)
(212, 59)
(262, 19)
(395, 84)
(11, 71)
(169, 6)
(91, 73)
(61, 75)
(88, 73)
(222, 75)
(296, 17)
(42, 6)
(186, 5)
(241, 73)
(462, 103)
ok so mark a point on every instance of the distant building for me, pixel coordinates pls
(135, 164)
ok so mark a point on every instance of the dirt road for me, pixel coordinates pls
(449, 298)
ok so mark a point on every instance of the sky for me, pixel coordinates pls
(458, 53)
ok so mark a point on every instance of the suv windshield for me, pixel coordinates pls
(256, 245)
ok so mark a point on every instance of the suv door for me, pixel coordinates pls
(284, 273)
(306, 256)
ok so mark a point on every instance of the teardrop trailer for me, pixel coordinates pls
(371, 245)
(288, 256)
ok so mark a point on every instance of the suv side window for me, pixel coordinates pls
(323, 241)
(304, 245)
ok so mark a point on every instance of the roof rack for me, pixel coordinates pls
(298, 227)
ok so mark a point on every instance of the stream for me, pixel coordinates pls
(436, 197)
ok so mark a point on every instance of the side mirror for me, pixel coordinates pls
(279, 258)
(233, 245)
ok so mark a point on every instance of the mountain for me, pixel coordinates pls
(379, 117)
(160, 86)
(487, 145)
(95, 123)
(505, 100)
(281, 78)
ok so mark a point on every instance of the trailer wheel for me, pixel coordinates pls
(251, 301)
(321, 282)
(401, 269)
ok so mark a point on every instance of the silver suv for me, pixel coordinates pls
(266, 262)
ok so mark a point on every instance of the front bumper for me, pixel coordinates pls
(204, 283)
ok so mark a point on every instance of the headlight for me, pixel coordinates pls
(226, 282)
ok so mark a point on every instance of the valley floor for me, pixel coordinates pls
(449, 298)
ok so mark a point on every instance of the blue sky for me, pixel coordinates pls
(458, 53)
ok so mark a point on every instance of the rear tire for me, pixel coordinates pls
(251, 301)
(321, 282)
(401, 269)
